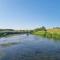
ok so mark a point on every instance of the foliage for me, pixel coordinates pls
(40, 29)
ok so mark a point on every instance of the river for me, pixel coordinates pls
(29, 47)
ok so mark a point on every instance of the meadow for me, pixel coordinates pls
(50, 33)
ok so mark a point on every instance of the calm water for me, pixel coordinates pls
(29, 48)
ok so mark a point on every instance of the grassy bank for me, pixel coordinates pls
(7, 32)
(50, 33)
(3, 34)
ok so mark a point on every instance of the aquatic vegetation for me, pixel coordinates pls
(2, 34)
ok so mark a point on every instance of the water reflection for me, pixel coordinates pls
(9, 44)
(31, 48)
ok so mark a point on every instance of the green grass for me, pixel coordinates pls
(53, 35)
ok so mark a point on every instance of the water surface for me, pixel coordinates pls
(29, 48)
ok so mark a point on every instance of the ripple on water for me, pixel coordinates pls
(32, 48)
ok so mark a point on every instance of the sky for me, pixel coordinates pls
(29, 14)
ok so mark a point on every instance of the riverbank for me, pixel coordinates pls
(9, 32)
(50, 33)
(6, 35)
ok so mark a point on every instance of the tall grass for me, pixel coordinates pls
(53, 35)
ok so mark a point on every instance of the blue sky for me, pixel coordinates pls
(29, 14)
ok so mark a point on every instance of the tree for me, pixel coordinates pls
(41, 29)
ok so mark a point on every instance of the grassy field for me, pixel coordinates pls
(54, 30)
(50, 33)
